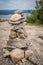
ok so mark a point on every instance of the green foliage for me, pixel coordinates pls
(37, 22)
(39, 8)
(36, 16)
(31, 18)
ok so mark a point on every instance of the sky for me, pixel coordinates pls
(17, 4)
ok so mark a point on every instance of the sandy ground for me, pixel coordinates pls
(36, 45)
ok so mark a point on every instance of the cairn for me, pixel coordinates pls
(17, 46)
(18, 23)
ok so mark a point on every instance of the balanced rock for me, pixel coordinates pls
(15, 17)
(18, 11)
(13, 34)
(16, 54)
(18, 42)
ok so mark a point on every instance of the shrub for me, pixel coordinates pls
(32, 18)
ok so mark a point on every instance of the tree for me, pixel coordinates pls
(39, 10)
(37, 15)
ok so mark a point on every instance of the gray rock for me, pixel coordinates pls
(18, 43)
(18, 26)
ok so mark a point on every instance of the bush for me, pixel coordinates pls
(32, 18)
(37, 15)
(37, 22)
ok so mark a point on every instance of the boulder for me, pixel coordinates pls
(16, 54)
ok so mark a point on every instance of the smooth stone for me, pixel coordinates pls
(15, 17)
(16, 54)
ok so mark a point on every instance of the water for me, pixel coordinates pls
(8, 16)
(5, 16)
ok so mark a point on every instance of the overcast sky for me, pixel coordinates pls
(17, 4)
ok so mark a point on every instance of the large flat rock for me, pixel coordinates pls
(36, 45)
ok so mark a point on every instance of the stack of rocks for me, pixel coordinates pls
(18, 34)
(18, 43)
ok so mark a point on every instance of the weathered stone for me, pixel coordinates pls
(5, 52)
(17, 47)
(28, 53)
(22, 32)
(13, 35)
(18, 43)
(16, 54)
(15, 17)
(24, 60)
(18, 33)
(21, 36)
(16, 22)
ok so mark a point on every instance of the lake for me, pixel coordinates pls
(8, 16)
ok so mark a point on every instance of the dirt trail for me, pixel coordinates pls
(33, 36)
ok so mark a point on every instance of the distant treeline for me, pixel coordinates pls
(6, 12)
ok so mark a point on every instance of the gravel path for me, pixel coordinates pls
(35, 36)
